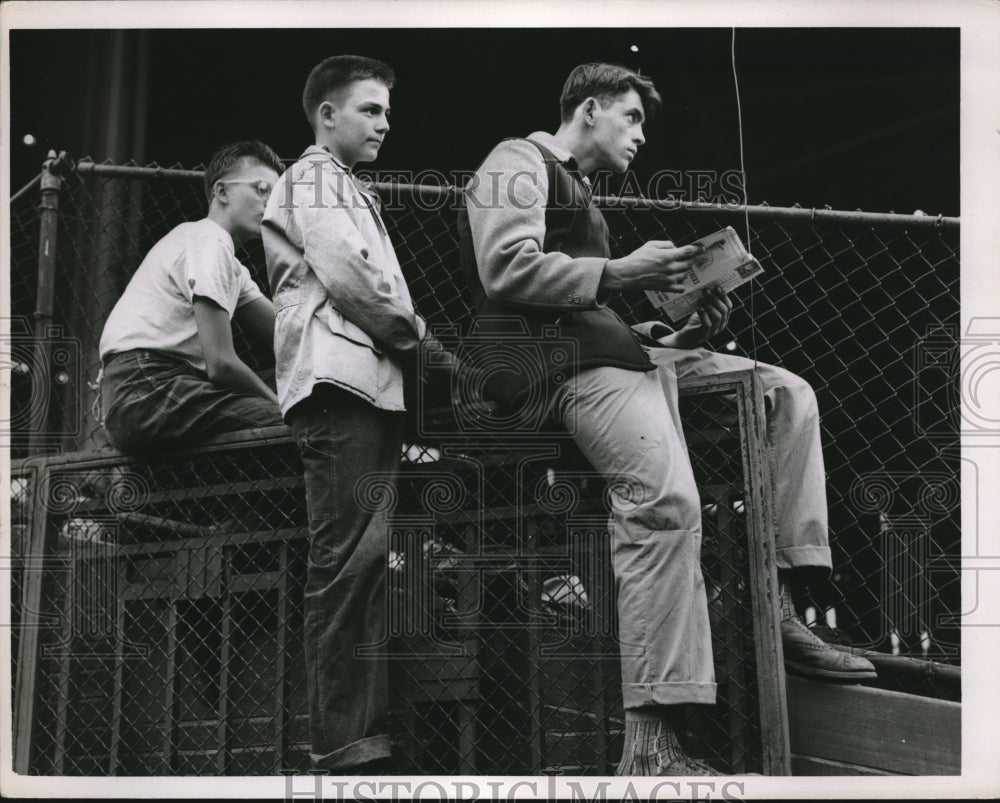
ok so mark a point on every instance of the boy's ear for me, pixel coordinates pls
(219, 192)
(326, 113)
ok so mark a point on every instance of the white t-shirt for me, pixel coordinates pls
(156, 311)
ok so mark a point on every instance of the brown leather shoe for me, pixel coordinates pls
(807, 655)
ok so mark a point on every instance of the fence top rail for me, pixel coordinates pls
(134, 171)
(438, 193)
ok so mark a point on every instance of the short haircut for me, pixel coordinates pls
(338, 72)
(228, 157)
(605, 82)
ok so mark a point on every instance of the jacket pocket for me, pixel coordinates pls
(286, 299)
(342, 327)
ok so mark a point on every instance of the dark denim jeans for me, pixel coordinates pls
(152, 400)
(349, 450)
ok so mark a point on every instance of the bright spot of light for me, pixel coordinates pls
(634, 48)
(29, 139)
(731, 345)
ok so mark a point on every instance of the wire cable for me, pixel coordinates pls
(746, 210)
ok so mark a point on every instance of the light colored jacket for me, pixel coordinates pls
(343, 313)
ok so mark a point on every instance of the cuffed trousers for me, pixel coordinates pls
(627, 424)
(350, 451)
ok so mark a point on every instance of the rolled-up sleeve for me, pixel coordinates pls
(336, 250)
(506, 202)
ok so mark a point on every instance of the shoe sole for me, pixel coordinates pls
(829, 674)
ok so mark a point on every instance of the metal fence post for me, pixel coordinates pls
(48, 213)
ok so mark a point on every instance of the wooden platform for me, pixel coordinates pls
(854, 730)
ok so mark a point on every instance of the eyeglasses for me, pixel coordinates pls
(263, 187)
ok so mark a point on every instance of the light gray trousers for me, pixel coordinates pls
(627, 424)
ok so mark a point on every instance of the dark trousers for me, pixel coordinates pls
(152, 400)
(350, 453)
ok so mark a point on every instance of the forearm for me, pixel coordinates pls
(235, 374)
(372, 307)
(674, 341)
(257, 317)
(356, 277)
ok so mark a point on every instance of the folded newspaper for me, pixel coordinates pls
(725, 263)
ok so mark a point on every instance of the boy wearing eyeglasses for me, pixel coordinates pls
(344, 332)
(170, 374)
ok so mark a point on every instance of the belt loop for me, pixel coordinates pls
(97, 408)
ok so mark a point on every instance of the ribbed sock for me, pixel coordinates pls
(786, 602)
(650, 740)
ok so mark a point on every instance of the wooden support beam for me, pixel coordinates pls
(170, 527)
(280, 724)
(35, 561)
(886, 731)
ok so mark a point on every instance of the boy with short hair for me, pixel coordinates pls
(345, 328)
(170, 373)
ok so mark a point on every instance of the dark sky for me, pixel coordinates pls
(851, 118)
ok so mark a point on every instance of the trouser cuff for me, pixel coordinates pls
(635, 695)
(798, 557)
(369, 749)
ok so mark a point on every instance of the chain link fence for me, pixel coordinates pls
(164, 613)
(866, 308)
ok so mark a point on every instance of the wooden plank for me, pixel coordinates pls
(762, 561)
(169, 690)
(809, 765)
(220, 490)
(469, 598)
(170, 527)
(517, 512)
(533, 649)
(280, 660)
(106, 457)
(885, 730)
(200, 573)
(213, 541)
(730, 637)
(63, 654)
(258, 581)
(758, 488)
(119, 681)
(32, 620)
(224, 756)
(595, 563)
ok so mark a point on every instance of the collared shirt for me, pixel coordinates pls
(344, 315)
(551, 144)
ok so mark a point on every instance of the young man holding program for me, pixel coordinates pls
(535, 248)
